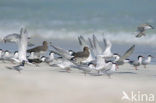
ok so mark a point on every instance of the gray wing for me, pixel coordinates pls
(107, 43)
(12, 37)
(127, 54)
(91, 43)
(140, 29)
(140, 34)
(62, 52)
(97, 46)
(82, 42)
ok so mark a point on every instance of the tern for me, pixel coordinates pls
(136, 63)
(62, 52)
(120, 60)
(141, 29)
(97, 49)
(100, 65)
(109, 71)
(62, 63)
(147, 61)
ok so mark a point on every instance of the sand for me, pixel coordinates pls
(46, 84)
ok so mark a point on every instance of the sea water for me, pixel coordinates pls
(62, 21)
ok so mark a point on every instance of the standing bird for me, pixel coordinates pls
(109, 71)
(141, 29)
(81, 56)
(137, 63)
(147, 61)
(39, 49)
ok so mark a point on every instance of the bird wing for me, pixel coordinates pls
(82, 42)
(91, 43)
(22, 46)
(140, 34)
(107, 43)
(100, 61)
(127, 53)
(34, 49)
(97, 46)
(12, 37)
(107, 52)
(140, 29)
(62, 52)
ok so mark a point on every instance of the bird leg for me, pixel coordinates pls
(68, 69)
(136, 68)
(85, 73)
(144, 66)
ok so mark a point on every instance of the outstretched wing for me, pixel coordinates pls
(107, 43)
(82, 42)
(97, 46)
(140, 34)
(22, 45)
(127, 53)
(62, 52)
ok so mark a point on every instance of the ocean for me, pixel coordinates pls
(64, 20)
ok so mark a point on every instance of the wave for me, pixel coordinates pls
(116, 37)
(64, 34)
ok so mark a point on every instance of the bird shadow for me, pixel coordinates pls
(64, 71)
(8, 68)
(126, 73)
(95, 74)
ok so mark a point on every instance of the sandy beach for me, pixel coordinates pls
(46, 84)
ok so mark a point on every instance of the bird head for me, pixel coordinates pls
(45, 43)
(85, 49)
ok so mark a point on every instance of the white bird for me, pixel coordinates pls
(32, 56)
(147, 61)
(101, 65)
(14, 57)
(137, 63)
(6, 55)
(50, 58)
(97, 49)
(62, 63)
(109, 71)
